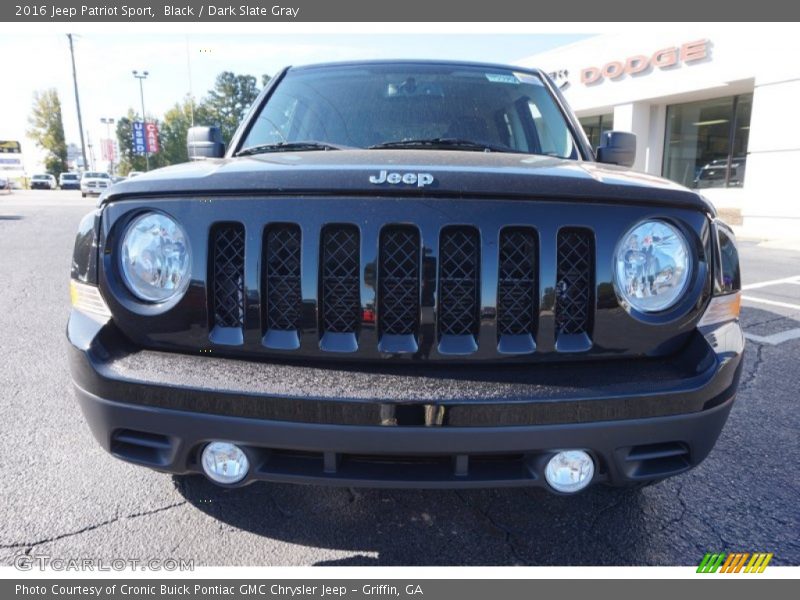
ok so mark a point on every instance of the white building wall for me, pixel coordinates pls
(635, 117)
(772, 204)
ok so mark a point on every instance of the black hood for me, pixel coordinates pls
(455, 174)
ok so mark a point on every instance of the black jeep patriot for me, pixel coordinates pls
(407, 274)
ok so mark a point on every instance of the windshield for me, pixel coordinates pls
(41, 177)
(96, 175)
(69, 176)
(366, 106)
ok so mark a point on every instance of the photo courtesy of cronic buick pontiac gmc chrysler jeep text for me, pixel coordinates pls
(407, 274)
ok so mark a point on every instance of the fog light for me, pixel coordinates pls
(569, 471)
(224, 462)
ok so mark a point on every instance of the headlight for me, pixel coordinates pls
(156, 258)
(653, 265)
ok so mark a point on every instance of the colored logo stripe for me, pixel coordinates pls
(711, 562)
(734, 562)
(758, 563)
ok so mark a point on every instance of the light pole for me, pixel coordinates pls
(141, 77)
(77, 100)
(109, 121)
(91, 152)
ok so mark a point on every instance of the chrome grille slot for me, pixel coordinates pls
(399, 289)
(340, 288)
(282, 293)
(459, 291)
(574, 299)
(517, 290)
(227, 288)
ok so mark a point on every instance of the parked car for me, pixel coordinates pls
(715, 173)
(94, 182)
(5, 183)
(43, 181)
(69, 181)
(407, 274)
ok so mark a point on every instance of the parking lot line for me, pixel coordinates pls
(771, 302)
(762, 284)
(775, 338)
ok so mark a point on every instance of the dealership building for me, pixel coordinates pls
(714, 111)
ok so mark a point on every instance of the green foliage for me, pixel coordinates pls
(224, 106)
(228, 101)
(175, 127)
(47, 130)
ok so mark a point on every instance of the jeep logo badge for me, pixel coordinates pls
(418, 179)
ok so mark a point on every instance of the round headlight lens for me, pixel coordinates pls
(156, 258)
(653, 265)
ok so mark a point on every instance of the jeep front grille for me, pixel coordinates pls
(385, 288)
(227, 275)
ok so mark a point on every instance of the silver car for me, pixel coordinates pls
(43, 181)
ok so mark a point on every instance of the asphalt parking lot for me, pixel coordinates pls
(62, 496)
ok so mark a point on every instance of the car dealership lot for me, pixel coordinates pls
(64, 497)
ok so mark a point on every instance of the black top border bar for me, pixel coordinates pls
(459, 11)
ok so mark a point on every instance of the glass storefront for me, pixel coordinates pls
(597, 126)
(706, 142)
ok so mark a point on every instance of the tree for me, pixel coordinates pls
(224, 106)
(175, 127)
(228, 101)
(47, 130)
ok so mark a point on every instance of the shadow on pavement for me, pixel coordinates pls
(436, 527)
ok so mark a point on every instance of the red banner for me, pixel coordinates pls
(107, 150)
(151, 137)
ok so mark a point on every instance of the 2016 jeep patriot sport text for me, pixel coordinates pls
(407, 274)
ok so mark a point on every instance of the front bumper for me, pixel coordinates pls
(406, 426)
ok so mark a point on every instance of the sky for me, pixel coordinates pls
(180, 64)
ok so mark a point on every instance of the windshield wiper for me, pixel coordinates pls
(287, 147)
(445, 142)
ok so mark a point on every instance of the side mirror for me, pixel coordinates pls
(204, 142)
(617, 148)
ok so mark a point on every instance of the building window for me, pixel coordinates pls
(706, 142)
(595, 127)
